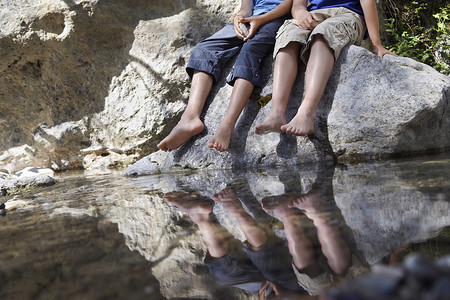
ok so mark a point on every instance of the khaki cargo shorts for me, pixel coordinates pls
(339, 26)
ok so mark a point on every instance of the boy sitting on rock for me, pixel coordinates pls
(316, 34)
(210, 57)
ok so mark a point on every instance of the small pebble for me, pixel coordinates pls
(244, 29)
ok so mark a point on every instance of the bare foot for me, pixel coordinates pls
(302, 123)
(310, 204)
(191, 205)
(280, 204)
(270, 124)
(221, 138)
(181, 133)
(229, 200)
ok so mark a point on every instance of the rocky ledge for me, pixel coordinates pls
(372, 108)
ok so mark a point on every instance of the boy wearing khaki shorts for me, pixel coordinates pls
(316, 34)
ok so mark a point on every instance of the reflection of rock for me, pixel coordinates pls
(416, 278)
(384, 215)
(66, 257)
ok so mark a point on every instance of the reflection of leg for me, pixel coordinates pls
(255, 235)
(318, 71)
(333, 245)
(300, 247)
(285, 72)
(190, 123)
(241, 93)
(218, 241)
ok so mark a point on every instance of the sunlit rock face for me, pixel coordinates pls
(372, 107)
(97, 84)
(94, 77)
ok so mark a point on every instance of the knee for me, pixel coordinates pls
(293, 48)
(318, 38)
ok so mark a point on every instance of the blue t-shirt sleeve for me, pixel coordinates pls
(263, 6)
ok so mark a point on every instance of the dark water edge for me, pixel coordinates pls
(222, 234)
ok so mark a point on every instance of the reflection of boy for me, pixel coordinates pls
(262, 253)
(263, 256)
(210, 57)
(318, 33)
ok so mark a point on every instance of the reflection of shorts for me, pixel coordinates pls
(274, 261)
(316, 285)
(313, 285)
(339, 26)
(233, 269)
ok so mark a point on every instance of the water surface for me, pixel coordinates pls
(221, 234)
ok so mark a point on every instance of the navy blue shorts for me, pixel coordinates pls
(213, 54)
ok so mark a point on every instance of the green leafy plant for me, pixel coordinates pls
(420, 30)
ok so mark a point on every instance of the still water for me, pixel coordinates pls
(221, 234)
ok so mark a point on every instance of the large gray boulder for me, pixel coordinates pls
(372, 108)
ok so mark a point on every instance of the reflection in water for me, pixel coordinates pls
(219, 234)
(313, 256)
(263, 256)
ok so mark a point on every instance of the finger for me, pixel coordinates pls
(238, 32)
(250, 34)
(245, 20)
(312, 22)
(303, 25)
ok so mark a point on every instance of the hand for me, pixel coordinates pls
(254, 22)
(271, 291)
(306, 19)
(236, 21)
(381, 51)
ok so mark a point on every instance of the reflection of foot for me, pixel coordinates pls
(229, 200)
(221, 139)
(301, 124)
(270, 124)
(280, 204)
(181, 133)
(191, 205)
(310, 204)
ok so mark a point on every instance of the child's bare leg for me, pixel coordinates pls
(217, 239)
(242, 90)
(300, 247)
(284, 74)
(255, 234)
(318, 71)
(190, 123)
(332, 244)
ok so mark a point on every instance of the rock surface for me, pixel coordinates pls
(27, 178)
(372, 107)
(96, 77)
(96, 84)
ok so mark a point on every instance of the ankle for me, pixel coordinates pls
(187, 117)
(309, 112)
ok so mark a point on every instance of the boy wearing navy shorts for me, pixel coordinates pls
(210, 57)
